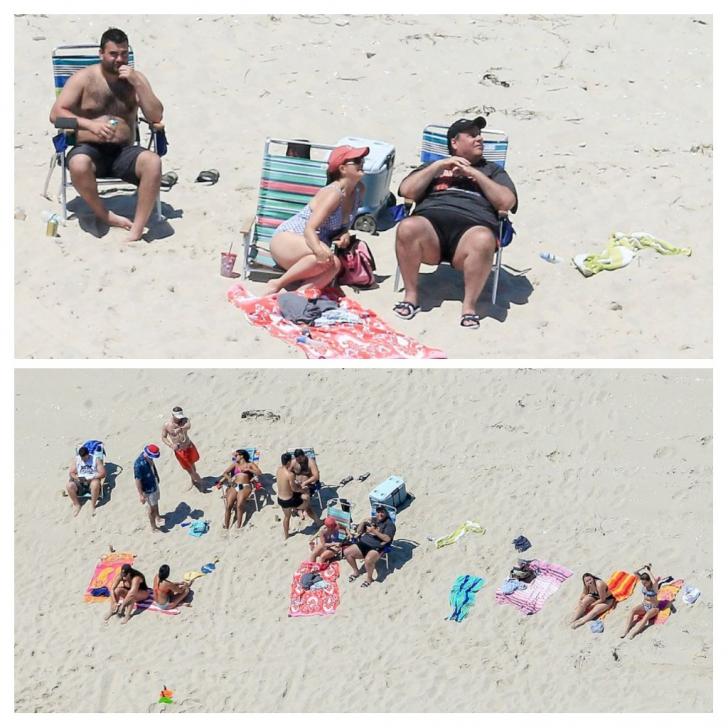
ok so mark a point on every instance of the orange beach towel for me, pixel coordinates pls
(106, 571)
(621, 584)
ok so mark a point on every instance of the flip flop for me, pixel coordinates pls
(365, 584)
(168, 180)
(363, 477)
(470, 321)
(208, 175)
(406, 310)
(346, 480)
(353, 577)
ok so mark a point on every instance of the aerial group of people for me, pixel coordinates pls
(459, 199)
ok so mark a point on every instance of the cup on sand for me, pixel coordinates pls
(227, 263)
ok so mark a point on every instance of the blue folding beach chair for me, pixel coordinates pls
(98, 452)
(66, 60)
(495, 149)
(311, 455)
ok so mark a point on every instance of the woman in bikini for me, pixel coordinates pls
(649, 608)
(169, 594)
(595, 599)
(237, 481)
(128, 588)
(305, 245)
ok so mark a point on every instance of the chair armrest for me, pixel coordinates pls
(247, 224)
(408, 204)
(155, 126)
(67, 123)
(503, 214)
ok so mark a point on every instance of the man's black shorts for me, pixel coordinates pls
(449, 227)
(111, 160)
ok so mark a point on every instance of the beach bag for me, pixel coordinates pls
(524, 573)
(357, 265)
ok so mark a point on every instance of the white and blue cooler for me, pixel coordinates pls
(391, 492)
(378, 166)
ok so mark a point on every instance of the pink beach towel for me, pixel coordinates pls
(149, 605)
(531, 599)
(310, 602)
(105, 573)
(372, 339)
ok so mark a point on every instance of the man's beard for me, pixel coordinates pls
(110, 67)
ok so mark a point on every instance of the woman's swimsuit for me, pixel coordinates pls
(238, 486)
(648, 605)
(332, 225)
(609, 598)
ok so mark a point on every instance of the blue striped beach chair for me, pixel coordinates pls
(495, 149)
(66, 60)
(286, 185)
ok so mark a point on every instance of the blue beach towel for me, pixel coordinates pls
(198, 528)
(462, 595)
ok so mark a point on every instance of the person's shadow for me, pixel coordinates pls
(180, 514)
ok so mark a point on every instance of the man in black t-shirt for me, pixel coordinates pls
(372, 536)
(456, 218)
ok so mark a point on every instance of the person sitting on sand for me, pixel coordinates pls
(128, 588)
(175, 434)
(649, 608)
(328, 544)
(595, 599)
(86, 473)
(104, 99)
(237, 482)
(456, 219)
(372, 536)
(307, 474)
(305, 245)
(289, 493)
(169, 594)
(146, 478)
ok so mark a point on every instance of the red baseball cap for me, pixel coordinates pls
(330, 522)
(343, 154)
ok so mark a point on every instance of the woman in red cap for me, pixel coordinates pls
(305, 244)
(327, 545)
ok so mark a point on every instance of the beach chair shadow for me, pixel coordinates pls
(446, 284)
(179, 515)
(113, 471)
(397, 556)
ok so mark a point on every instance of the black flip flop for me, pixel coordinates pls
(168, 180)
(208, 175)
(363, 477)
(470, 321)
(346, 480)
(408, 310)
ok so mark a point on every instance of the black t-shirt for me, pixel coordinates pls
(387, 527)
(462, 196)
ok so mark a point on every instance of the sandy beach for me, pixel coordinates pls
(610, 126)
(600, 470)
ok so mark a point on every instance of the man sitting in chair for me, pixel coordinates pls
(456, 218)
(104, 100)
(86, 473)
(372, 536)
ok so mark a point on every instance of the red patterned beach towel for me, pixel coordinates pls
(310, 602)
(372, 339)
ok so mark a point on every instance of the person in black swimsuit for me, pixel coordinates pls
(595, 599)
(128, 588)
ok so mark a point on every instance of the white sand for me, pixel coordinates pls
(610, 121)
(601, 470)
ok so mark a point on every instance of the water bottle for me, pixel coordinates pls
(549, 257)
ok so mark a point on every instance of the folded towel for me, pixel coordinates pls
(691, 594)
(199, 527)
(190, 576)
(597, 626)
(511, 585)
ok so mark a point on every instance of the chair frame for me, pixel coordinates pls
(495, 149)
(59, 158)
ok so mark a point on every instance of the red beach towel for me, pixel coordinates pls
(311, 602)
(372, 339)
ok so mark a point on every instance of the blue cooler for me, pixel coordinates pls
(378, 166)
(392, 492)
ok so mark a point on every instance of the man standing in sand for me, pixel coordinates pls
(456, 221)
(147, 483)
(289, 493)
(104, 100)
(175, 434)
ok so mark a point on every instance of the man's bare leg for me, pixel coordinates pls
(416, 243)
(148, 168)
(83, 176)
(286, 522)
(474, 257)
(72, 490)
(369, 561)
(95, 493)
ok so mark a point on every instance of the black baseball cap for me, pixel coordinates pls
(464, 125)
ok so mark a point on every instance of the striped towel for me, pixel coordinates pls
(462, 595)
(531, 599)
(149, 605)
(621, 584)
(665, 597)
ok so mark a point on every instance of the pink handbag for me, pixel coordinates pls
(357, 265)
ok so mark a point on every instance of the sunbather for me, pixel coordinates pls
(649, 609)
(328, 544)
(169, 594)
(595, 599)
(289, 493)
(237, 481)
(104, 100)
(128, 588)
(372, 536)
(305, 245)
(86, 473)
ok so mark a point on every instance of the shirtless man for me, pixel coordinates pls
(289, 493)
(104, 100)
(86, 471)
(175, 434)
(307, 474)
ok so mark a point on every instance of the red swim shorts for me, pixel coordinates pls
(187, 457)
